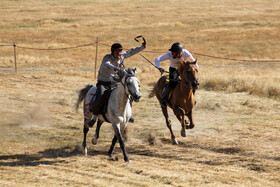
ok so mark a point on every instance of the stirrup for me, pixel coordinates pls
(131, 120)
(163, 103)
(92, 122)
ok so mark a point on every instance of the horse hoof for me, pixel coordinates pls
(85, 151)
(127, 160)
(94, 141)
(113, 158)
(174, 142)
(183, 133)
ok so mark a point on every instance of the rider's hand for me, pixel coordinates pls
(144, 44)
(161, 70)
(116, 69)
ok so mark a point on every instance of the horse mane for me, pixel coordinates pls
(184, 63)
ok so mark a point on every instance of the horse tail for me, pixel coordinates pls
(157, 86)
(153, 92)
(82, 94)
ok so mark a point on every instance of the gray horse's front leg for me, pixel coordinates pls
(118, 137)
(110, 152)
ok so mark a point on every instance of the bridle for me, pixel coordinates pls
(125, 84)
(193, 83)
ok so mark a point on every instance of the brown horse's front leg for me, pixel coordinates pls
(180, 114)
(191, 125)
(168, 123)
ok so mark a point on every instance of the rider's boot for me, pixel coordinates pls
(131, 120)
(165, 96)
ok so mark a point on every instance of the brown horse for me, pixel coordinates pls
(182, 99)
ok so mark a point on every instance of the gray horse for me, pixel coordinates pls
(118, 111)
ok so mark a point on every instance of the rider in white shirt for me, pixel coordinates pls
(175, 54)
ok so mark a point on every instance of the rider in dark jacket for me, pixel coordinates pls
(111, 63)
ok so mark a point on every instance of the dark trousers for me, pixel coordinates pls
(173, 75)
(102, 89)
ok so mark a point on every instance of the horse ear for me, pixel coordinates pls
(135, 71)
(194, 62)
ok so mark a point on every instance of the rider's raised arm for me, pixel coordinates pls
(108, 62)
(133, 51)
(161, 58)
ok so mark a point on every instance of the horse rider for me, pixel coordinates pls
(175, 54)
(111, 63)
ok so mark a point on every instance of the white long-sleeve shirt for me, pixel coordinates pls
(174, 63)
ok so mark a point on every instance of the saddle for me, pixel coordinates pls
(166, 84)
(104, 101)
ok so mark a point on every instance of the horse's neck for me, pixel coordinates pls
(184, 88)
(119, 98)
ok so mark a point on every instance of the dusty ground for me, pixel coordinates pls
(236, 138)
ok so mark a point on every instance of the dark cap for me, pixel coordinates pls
(176, 47)
(116, 46)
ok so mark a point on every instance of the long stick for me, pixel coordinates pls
(148, 61)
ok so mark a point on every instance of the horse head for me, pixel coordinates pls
(189, 73)
(127, 77)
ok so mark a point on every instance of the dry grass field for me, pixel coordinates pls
(236, 138)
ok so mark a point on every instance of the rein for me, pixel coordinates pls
(124, 85)
(189, 87)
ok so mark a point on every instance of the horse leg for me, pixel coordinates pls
(186, 122)
(119, 137)
(191, 125)
(110, 152)
(168, 123)
(180, 114)
(96, 136)
(89, 121)
(86, 129)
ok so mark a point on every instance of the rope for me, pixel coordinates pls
(5, 45)
(89, 44)
(64, 48)
(236, 59)
(242, 60)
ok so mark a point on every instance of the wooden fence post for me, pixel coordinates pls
(15, 57)
(96, 57)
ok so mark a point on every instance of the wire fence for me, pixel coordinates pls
(100, 43)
